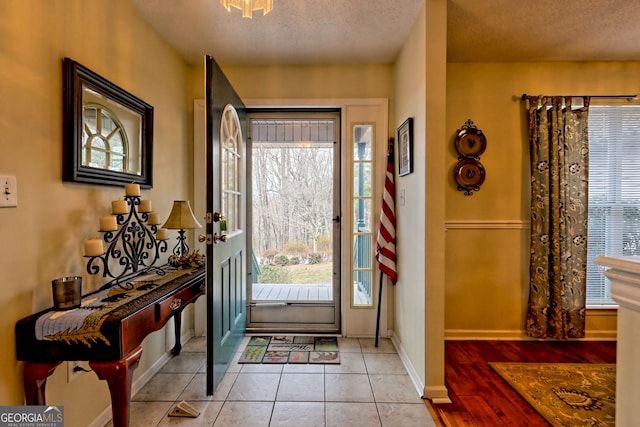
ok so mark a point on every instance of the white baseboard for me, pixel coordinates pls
(102, 419)
(106, 415)
(413, 374)
(434, 394)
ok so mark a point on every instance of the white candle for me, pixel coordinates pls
(132, 189)
(145, 206)
(93, 247)
(119, 207)
(154, 218)
(108, 223)
(162, 234)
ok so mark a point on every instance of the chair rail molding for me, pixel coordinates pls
(506, 224)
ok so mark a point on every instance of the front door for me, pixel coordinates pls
(225, 229)
(294, 217)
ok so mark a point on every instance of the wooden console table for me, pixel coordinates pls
(107, 330)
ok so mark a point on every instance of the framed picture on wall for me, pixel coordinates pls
(405, 147)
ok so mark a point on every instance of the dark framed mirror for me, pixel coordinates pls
(108, 132)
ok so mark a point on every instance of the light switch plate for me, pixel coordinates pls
(8, 192)
(401, 198)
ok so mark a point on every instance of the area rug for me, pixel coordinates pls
(565, 394)
(291, 349)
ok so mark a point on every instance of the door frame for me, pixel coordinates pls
(355, 322)
(298, 316)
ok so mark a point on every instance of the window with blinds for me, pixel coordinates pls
(614, 192)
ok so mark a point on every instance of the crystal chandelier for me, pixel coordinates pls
(248, 6)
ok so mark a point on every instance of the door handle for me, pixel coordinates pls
(336, 219)
(219, 237)
(205, 238)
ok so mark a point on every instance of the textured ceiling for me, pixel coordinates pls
(373, 31)
(543, 30)
(294, 32)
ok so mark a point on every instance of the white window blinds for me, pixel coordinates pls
(614, 191)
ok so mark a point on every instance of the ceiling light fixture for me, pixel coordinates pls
(248, 6)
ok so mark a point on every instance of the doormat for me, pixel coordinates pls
(565, 394)
(291, 349)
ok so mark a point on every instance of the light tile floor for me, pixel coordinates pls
(370, 387)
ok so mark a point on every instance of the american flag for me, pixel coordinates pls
(386, 241)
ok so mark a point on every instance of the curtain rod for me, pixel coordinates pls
(525, 96)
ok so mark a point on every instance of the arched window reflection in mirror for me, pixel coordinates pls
(104, 140)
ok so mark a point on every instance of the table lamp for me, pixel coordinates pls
(181, 218)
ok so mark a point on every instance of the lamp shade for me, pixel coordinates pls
(181, 217)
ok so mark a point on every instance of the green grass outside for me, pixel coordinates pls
(310, 273)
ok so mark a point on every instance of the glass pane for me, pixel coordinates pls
(232, 172)
(231, 205)
(116, 162)
(362, 180)
(362, 287)
(292, 170)
(227, 143)
(90, 120)
(631, 231)
(224, 171)
(115, 142)
(98, 158)
(362, 136)
(98, 143)
(362, 215)
(362, 254)
(235, 213)
(107, 125)
(224, 207)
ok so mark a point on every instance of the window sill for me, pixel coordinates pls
(612, 307)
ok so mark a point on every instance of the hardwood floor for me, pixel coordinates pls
(481, 398)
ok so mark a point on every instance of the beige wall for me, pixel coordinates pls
(308, 81)
(42, 238)
(409, 291)
(487, 243)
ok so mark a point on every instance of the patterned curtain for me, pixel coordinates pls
(559, 149)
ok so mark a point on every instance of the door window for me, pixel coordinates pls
(230, 161)
(362, 230)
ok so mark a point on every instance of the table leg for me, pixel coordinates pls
(118, 375)
(177, 322)
(35, 380)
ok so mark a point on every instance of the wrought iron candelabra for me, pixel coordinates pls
(133, 241)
